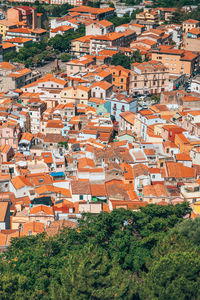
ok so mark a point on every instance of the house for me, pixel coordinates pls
(126, 121)
(93, 12)
(10, 133)
(118, 103)
(101, 89)
(6, 25)
(49, 88)
(99, 27)
(6, 153)
(184, 158)
(25, 143)
(61, 30)
(191, 40)
(80, 65)
(19, 42)
(187, 25)
(177, 173)
(191, 192)
(195, 84)
(81, 191)
(155, 194)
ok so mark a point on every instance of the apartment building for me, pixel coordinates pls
(100, 42)
(25, 15)
(177, 61)
(35, 110)
(148, 18)
(79, 95)
(148, 77)
(80, 46)
(37, 35)
(120, 77)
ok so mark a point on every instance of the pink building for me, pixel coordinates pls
(10, 134)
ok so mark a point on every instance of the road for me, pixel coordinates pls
(50, 66)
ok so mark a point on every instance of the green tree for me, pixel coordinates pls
(119, 59)
(65, 57)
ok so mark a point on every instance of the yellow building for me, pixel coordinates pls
(148, 16)
(79, 95)
(6, 25)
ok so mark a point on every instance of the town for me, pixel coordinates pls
(99, 110)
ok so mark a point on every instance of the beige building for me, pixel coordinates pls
(177, 61)
(99, 27)
(149, 18)
(148, 77)
(79, 95)
(189, 24)
(191, 40)
(80, 46)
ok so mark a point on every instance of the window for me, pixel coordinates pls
(153, 176)
(80, 68)
(81, 197)
(51, 85)
(30, 232)
(113, 79)
(122, 80)
(135, 85)
(71, 67)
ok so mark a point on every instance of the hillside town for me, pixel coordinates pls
(96, 113)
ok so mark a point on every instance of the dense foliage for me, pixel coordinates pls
(120, 59)
(36, 54)
(151, 254)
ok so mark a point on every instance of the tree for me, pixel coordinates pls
(65, 57)
(119, 255)
(119, 59)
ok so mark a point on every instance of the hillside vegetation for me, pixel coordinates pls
(151, 254)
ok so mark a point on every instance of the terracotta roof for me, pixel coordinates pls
(41, 209)
(3, 210)
(56, 226)
(178, 170)
(183, 157)
(98, 190)
(157, 190)
(80, 187)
